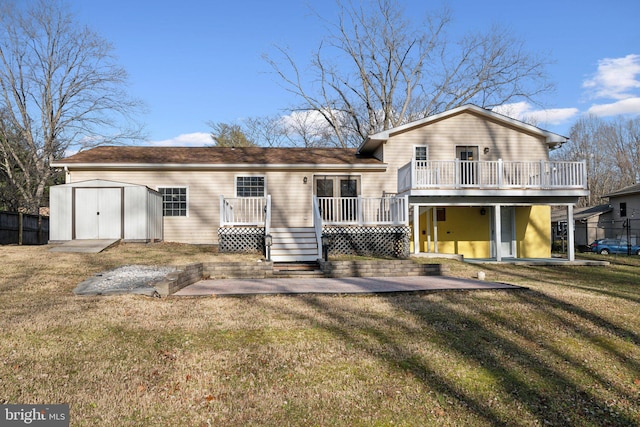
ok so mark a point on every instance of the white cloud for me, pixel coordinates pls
(195, 139)
(624, 106)
(616, 78)
(312, 121)
(525, 112)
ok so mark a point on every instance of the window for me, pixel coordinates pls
(250, 186)
(467, 152)
(623, 209)
(174, 201)
(421, 152)
(337, 185)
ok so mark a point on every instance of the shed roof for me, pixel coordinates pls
(581, 213)
(626, 191)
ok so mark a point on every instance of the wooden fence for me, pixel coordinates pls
(23, 229)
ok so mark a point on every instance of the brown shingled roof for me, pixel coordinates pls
(217, 155)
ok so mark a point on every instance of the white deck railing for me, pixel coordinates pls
(499, 174)
(254, 211)
(363, 210)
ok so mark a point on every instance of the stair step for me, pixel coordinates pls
(296, 266)
(289, 257)
(294, 244)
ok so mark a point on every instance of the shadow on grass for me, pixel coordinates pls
(531, 368)
(621, 281)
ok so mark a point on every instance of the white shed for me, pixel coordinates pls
(100, 209)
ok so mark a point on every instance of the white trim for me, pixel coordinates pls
(560, 192)
(186, 187)
(214, 166)
(248, 175)
(552, 139)
(336, 184)
(420, 146)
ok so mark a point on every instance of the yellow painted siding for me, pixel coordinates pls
(533, 231)
(465, 231)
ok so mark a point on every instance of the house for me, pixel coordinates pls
(625, 218)
(590, 223)
(467, 181)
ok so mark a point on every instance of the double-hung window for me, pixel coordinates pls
(421, 152)
(250, 186)
(174, 201)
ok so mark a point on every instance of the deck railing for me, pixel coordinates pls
(248, 211)
(363, 210)
(499, 174)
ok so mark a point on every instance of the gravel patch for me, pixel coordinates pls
(128, 279)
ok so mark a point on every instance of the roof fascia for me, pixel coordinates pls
(552, 139)
(204, 166)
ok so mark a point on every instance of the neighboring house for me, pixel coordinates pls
(590, 224)
(467, 181)
(625, 219)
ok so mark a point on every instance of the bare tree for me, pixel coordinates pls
(611, 149)
(391, 71)
(266, 131)
(60, 89)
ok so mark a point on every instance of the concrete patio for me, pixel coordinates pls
(348, 285)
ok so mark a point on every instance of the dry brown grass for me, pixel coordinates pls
(564, 352)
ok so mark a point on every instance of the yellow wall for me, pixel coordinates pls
(466, 232)
(533, 231)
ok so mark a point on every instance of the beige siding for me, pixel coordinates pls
(203, 190)
(291, 198)
(443, 136)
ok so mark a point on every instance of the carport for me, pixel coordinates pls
(100, 209)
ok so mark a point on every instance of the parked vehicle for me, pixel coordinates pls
(613, 246)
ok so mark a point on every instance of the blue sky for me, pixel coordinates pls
(193, 61)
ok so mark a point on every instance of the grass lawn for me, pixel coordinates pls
(565, 351)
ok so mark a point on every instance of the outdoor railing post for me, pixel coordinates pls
(406, 210)
(500, 173)
(267, 216)
(413, 173)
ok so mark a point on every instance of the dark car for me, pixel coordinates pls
(613, 246)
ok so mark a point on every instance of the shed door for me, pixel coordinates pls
(98, 213)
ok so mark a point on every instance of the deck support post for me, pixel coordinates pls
(416, 229)
(497, 220)
(570, 234)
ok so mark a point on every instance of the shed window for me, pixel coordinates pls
(174, 201)
(250, 186)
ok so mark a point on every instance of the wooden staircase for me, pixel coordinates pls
(294, 245)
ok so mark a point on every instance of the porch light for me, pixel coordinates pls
(304, 180)
(483, 211)
(486, 150)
